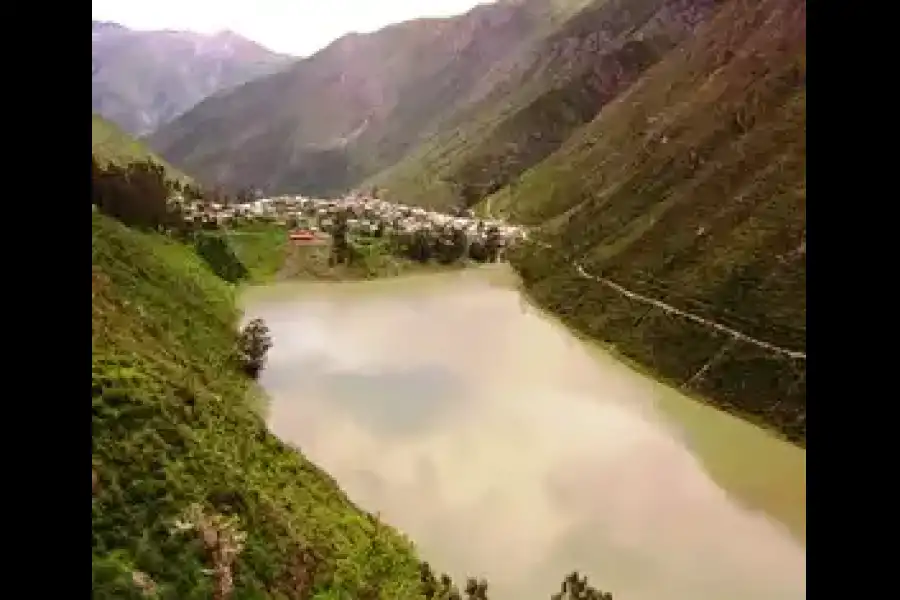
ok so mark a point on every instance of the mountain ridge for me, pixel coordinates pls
(110, 144)
(142, 79)
(393, 88)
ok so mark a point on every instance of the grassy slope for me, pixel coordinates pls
(262, 248)
(691, 188)
(111, 144)
(265, 251)
(171, 426)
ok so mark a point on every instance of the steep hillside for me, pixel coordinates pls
(142, 79)
(112, 145)
(192, 497)
(354, 108)
(688, 192)
(172, 427)
(561, 82)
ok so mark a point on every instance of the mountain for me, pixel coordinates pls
(656, 146)
(676, 219)
(561, 82)
(112, 145)
(353, 108)
(142, 79)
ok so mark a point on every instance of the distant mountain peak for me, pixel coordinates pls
(229, 35)
(106, 26)
(142, 79)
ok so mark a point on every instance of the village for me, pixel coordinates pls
(315, 220)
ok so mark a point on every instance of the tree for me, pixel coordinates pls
(339, 245)
(476, 589)
(452, 245)
(137, 194)
(220, 257)
(575, 587)
(253, 344)
(419, 246)
(492, 243)
(244, 195)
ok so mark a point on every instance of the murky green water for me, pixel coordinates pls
(507, 448)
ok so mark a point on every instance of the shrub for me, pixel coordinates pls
(253, 344)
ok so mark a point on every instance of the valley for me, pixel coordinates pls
(658, 144)
(526, 284)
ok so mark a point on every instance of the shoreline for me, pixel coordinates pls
(514, 281)
(687, 416)
(650, 373)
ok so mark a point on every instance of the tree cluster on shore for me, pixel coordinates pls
(573, 587)
(444, 246)
(141, 196)
(137, 195)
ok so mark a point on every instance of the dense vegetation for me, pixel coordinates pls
(259, 251)
(172, 429)
(110, 144)
(192, 497)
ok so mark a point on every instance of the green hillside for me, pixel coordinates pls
(192, 497)
(109, 143)
(172, 427)
(690, 189)
(664, 154)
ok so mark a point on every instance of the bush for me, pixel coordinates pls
(253, 344)
(220, 257)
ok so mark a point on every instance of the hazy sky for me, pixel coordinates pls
(298, 27)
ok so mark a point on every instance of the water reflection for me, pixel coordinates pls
(506, 450)
(414, 401)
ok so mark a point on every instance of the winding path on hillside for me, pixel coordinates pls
(668, 308)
